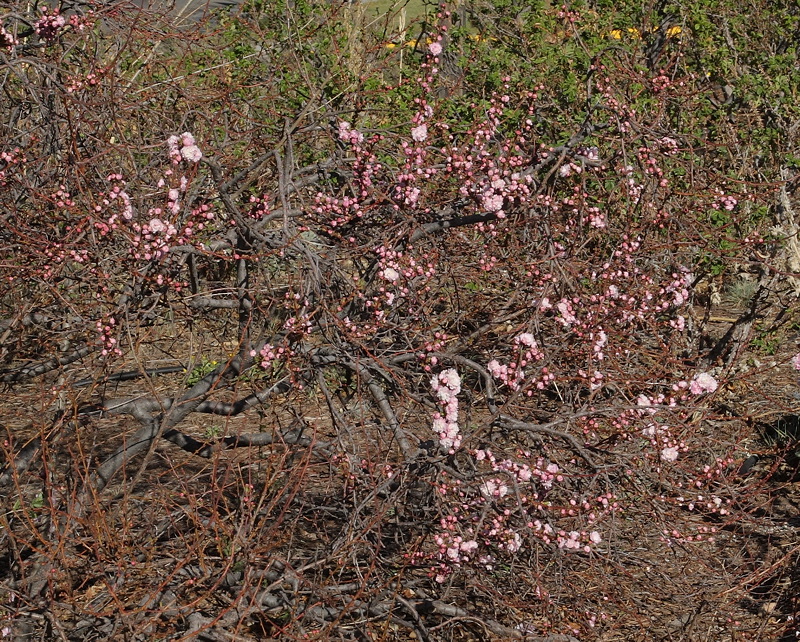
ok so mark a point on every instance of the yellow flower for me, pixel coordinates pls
(632, 32)
(390, 45)
(673, 31)
(476, 37)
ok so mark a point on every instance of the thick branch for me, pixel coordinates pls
(34, 370)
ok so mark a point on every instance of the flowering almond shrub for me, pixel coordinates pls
(307, 337)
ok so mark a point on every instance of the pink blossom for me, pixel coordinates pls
(447, 385)
(157, 225)
(450, 437)
(127, 211)
(497, 370)
(703, 382)
(796, 361)
(7, 40)
(390, 274)
(469, 546)
(192, 153)
(420, 133)
(526, 339)
(174, 151)
(567, 317)
(439, 424)
(348, 134)
(493, 488)
(514, 543)
(650, 431)
(451, 379)
(48, 26)
(435, 48)
(493, 202)
(602, 340)
(448, 379)
(412, 196)
(669, 454)
(595, 537)
(645, 402)
(572, 541)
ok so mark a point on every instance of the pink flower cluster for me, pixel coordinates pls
(446, 385)
(349, 135)
(163, 230)
(575, 540)
(400, 275)
(677, 290)
(271, 354)
(494, 489)
(670, 453)
(427, 353)
(660, 434)
(631, 184)
(337, 212)
(259, 207)
(419, 133)
(406, 191)
(724, 201)
(61, 197)
(513, 374)
(703, 383)
(363, 167)
(7, 40)
(155, 239)
(298, 325)
(567, 312)
(453, 549)
(669, 146)
(88, 80)
(706, 533)
(516, 490)
(712, 504)
(183, 147)
(117, 193)
(105, 330)
(49, 25)
(544, 474)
